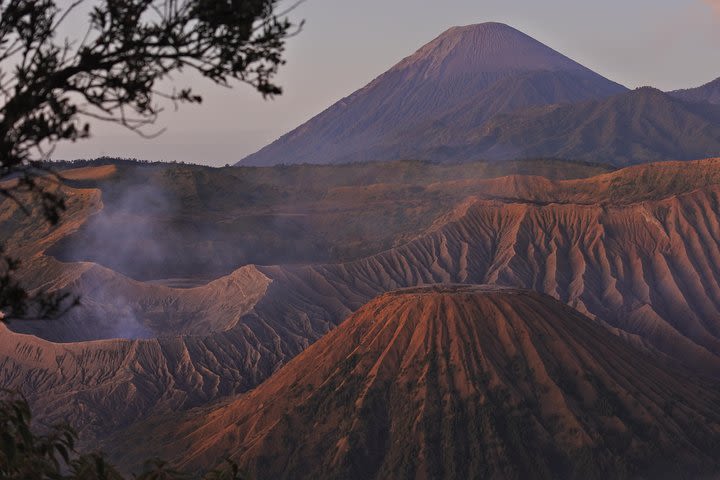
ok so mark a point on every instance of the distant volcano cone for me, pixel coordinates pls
(460, 382)
(484, 48)
(381, 120)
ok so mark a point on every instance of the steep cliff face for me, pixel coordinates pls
(480, 70)
(457, 382)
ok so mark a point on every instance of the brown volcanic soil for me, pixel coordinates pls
(212, 342)
(457, 382)
(638, 249)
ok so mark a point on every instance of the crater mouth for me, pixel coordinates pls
(113, 306)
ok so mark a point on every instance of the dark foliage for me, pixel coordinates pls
(25, 454)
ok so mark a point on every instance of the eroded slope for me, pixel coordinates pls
(457, 382)
(637, 249)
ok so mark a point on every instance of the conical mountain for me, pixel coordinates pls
(457, 382)
(459, 68)
(710, 93)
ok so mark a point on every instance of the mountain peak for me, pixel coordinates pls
(488, 48)
(648, 92)
(495, 27)
(458, 68)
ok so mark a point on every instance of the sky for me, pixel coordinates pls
(344, 44)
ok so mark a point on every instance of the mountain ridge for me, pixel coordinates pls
(644, 125)
(710, 93)
(637, 249)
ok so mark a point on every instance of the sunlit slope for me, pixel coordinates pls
(456, 382)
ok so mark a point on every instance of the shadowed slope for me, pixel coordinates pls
(458, 382)
(640, 126)
(710, 92)
(472, 68)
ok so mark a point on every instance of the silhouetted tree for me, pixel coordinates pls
(117, 70)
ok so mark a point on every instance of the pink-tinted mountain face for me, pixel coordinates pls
(455, 382)
(480, 69)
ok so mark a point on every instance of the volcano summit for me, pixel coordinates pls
(459, 382)
(467, 73)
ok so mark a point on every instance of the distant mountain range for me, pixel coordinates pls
(710, 92)
(635, 127)
(490, 92)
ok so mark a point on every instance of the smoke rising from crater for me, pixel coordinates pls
(128, 235)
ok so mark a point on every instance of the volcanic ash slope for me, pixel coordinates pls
(458, 382)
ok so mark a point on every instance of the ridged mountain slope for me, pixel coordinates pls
(710, 93)
(641, 126)
(455, 382)
(638, 249)
(469, 67)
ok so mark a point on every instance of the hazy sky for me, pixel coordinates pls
(345, 44)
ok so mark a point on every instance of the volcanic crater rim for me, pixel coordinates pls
(456, 288)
